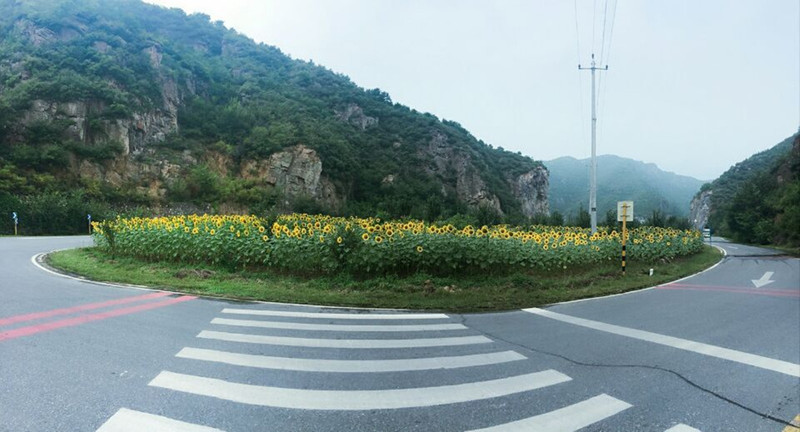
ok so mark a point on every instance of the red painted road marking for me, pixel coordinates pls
(79, 308)
(774, 293)
(29, 330)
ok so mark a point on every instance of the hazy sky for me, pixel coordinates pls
(693, 86)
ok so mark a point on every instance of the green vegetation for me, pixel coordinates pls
(758, 200)
(303, 244)
(618, 179)
(109, 61)
(457, 293)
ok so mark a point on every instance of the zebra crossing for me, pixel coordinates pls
(344, 342)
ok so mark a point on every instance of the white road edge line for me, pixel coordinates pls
(344, 343)
(780, 366)
(682, 428)
(322, 315)
(724, 254)
(337, 327)
(349, 366)
(34, 259)
(567, 419)
(355, 400)
(126, 420)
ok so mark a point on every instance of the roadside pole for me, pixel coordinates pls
(624, 214)
(89, 218)
(16, 221)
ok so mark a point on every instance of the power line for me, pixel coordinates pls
(603, 39)
(594, 20)
(602, 84)
(578, 74)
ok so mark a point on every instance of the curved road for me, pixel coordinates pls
(719, 351)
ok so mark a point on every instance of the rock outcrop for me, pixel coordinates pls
(297, 171)
(446, 161)
(700, 209)
(530, 189)
(354, 115)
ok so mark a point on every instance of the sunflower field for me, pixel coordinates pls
(308, 244)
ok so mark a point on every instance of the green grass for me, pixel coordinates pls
(456, 294)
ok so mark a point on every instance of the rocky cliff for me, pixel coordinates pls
(700, 209)
(130, 101)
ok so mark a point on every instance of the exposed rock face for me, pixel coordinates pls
(43, 35)
(297, 171)
(530, 189)
(447, 161)
(700, 209)
(354, 115)
(135, 133)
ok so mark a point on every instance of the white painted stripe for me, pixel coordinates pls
(351, 400)
(126, 420)
(344, 343)
(337, 327)
(567, 419)
(767, 363)
(351, 366)
(327, 315)
(682, 428)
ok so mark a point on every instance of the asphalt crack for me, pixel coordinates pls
(697, 386)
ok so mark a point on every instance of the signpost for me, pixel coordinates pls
(624, 214)
(16, 221)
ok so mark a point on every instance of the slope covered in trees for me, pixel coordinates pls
(756, 200)
(764, 206)
(131, 103)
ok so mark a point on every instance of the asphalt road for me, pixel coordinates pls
(714, 352)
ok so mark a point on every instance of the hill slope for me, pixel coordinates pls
(131, 102)
(619, 179)
(756, 200)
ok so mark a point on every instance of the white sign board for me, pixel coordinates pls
(625, 208)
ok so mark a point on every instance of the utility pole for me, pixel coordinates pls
(593, 175)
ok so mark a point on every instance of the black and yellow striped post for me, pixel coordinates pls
(624, 235)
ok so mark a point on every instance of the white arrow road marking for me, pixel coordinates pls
(567, 419)
(765, 280)
(353, 400)
(780, 366)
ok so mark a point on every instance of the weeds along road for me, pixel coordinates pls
(719, 351)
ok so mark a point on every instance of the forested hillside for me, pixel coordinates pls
(756, 200)
(122, 103)
(618, 179)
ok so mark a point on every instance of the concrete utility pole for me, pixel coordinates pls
(593, 175)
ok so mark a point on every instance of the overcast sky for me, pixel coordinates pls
(693, 86)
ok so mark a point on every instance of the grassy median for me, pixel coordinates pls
(456, 294)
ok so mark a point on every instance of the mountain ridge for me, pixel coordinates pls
(619, 178)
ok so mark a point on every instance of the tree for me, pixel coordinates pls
(556, 219)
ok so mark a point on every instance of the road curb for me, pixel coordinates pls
(38, 260)
(724, 256)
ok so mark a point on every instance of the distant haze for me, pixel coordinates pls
(692, 86)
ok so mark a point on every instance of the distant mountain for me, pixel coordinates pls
(756, 200)
(618, 179)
